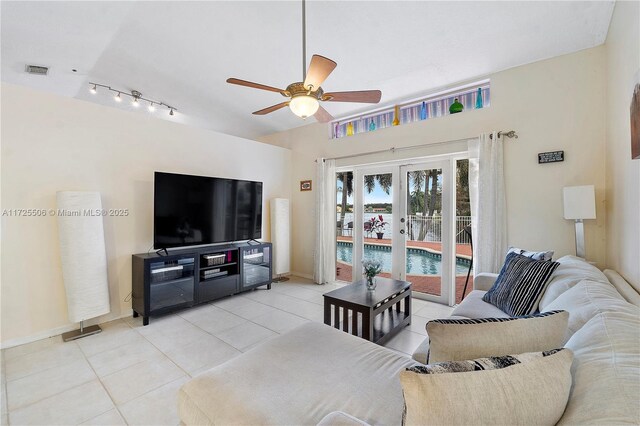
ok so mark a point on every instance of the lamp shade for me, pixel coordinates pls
(579, 202)
(83, 254)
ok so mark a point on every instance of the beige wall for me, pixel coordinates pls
(556, 104)
(51, 143)
(623, 173)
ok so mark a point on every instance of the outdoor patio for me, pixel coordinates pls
(429, 284)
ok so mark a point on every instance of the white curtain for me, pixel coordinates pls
(488, 203)
(324, 270)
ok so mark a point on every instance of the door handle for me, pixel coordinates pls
(402, 231)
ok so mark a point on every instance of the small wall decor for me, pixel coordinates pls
(550, 157)
(305, 185)
(634, 110)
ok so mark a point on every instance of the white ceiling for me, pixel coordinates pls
(182, 52)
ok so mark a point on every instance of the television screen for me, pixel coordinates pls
(194, 210)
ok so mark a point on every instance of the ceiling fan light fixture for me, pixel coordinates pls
(304, 105)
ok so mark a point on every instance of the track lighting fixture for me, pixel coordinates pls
(136, 98)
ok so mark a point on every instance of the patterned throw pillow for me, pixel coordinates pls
(469, 338)
(520, 285)
(531, 388)
(535, 255)
(490, 363)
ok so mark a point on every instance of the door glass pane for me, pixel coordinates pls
(423, 230)
(378, 211)
(344, 225)
(464, 268)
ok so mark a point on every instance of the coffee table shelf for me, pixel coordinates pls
(373, 315)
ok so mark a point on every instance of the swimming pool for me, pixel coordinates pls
(418, 261)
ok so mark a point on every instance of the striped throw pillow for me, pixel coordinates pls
(520, 285)
(456, 339)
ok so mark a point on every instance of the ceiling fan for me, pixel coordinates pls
(305, 96)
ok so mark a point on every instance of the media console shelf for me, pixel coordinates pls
(188, 277)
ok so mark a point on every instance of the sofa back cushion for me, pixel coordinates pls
(606, 370)
(570, 272)
(586, 300)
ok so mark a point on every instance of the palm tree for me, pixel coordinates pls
(346, 179)
(417, 177)
(383, 180)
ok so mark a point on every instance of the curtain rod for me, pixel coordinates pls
(509, 134)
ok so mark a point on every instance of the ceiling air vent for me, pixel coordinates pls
(37, 70)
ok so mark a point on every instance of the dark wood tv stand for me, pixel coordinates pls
(191, 276)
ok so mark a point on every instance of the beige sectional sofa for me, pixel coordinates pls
(308, 374)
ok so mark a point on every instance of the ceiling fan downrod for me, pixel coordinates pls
(304, 40)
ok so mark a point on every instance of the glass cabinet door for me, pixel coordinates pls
(256, 266)
(171, 283)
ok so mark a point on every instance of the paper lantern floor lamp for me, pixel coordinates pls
(280, 238)
(84, 259)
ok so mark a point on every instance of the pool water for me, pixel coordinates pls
(418, 261)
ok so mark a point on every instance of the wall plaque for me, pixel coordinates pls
(550, 157)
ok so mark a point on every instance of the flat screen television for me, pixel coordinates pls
(195, 210)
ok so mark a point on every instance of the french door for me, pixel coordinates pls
(402, 215)
(425, 213)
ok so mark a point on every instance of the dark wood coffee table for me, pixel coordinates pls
(381, 313)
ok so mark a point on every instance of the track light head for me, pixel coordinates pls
(117, 97)
(170, 111)
(135, 102)
(151, 107)
(94, 89)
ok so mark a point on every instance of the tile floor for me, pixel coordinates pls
(130, 374)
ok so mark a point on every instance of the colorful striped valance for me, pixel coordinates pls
(424, 109)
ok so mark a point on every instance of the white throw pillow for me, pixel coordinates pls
(531, 389)
(461, 339)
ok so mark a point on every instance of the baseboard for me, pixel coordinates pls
(301, 275)
(54, 332)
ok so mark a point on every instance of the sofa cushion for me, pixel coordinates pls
(606, 371)
(532, 390)
(520, 285)
(570, 272)
(297, 378)
(474, 307)
(462, 339)
(586, 300)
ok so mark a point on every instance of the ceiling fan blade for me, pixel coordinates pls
(255, 85)
(271, 108)
(364, 96)
(322, 115)
(319, 69)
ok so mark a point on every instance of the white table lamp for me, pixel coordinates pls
(579, 204)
